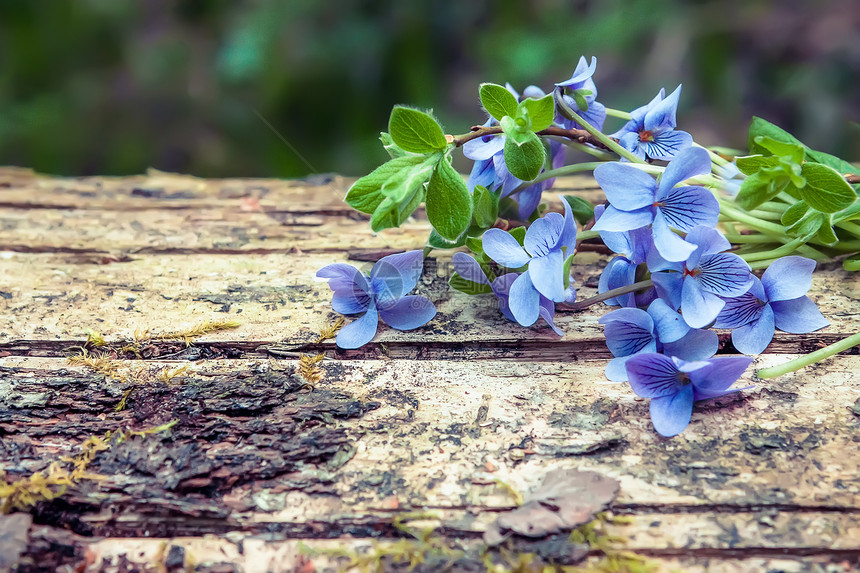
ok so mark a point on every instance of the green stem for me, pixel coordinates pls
(764, 226)
(714, 157)
(607, 295)
(585, 235)
(852, 228)
(598, 135)
(618, 113)
(810, 358)
(737, 238)
(782, 251)
(566, 170)
(593, 151)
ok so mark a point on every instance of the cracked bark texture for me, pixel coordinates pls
(259, 464)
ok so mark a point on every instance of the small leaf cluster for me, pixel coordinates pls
(524, 152)
(419, 171)
(811, 181)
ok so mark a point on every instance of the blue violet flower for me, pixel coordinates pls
(381, 294)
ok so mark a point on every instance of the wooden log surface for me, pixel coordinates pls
(238, 464)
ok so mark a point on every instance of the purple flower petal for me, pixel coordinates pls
(671, 414)
(350, 302)
(567, 240)
(653, 375)
(524, 300)
(668, 324)
(724, 274)
(483, 173)
(669, 285)
(688, 163)
(547, 275)
(583, 71)
(616, 220)
(626, 338)
(483, 148)
(708, 240)
(547, 312)
(720, 373)
(688, 207)
(670, 246)
(698, 306)
(666, 145)
(503, 248)
(753, 337)
(359, 332)
(528, 200)
(661, 116)
(501, 288)
(788, 278)
(410, 265)
(743, 309)
(595, 114)
(798, 316)
(697, 344)
(409, 312)
(544, 234)
(467, 267)
(616, 369)
(626, 187)
(618, 272)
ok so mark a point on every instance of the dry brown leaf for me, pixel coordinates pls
(566, 499)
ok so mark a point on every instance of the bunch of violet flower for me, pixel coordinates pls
(637, 200)
(380, 294)
(651, 130)
(674, 384)
(549, 242)
(778, 300)
(467, 267)
(491, 171)
(579, 93)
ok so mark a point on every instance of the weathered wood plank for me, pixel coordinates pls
(276, 298)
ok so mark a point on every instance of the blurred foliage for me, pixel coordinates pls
(112, 87)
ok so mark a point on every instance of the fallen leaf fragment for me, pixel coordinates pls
(566, 499)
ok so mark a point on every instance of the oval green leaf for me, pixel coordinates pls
(498, 101)
(416, 131)
(448, 203)
(826, 190)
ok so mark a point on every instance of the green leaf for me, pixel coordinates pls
(583, 211)
(459, 283)
(756, 189)
(525, 160)
(476, 245)
(516, 129)
(839, 165)
(519, 233)
(750, 164)
(852, 263)
(795, 151)
(449, 204)
(826, 190)
(486, 206)
(826, 235)
(416, 131)
(498, 101)
(394, 150)
(763, 128)
(437, 241)
(541, 111)
(794, 213)
(808, 225)
(365, 195)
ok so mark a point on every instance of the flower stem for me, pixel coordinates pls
(607, 295)
(782, 251)
(810, 358)
(598, 135)
(566, 170)
(585, 235)
(618, 113)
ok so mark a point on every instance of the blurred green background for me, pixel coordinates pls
(114, 87)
